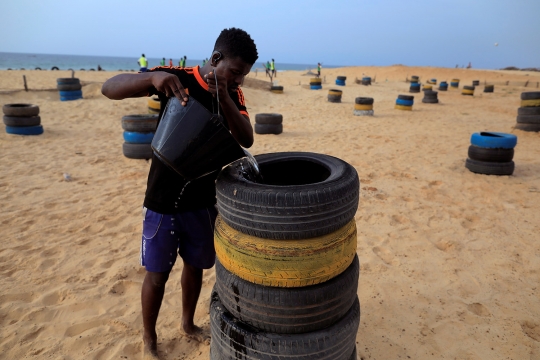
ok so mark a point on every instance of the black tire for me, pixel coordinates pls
(430, 101)
(22, 120)
(490, 168)
(268, 118)
(364, 101)
(490, 90)
(140, 123)
(37, 68)
(20, 110)
(529, 110)
(342, 78)
(67, 81)
(490, 154)
(55, 68)
(468, 87)
(405, 97)
(334, 98)
(528, 127)
(231, 339)
(288, 310)
(68, 87)
(430, 94)
(264, 129)
(276, 88)
(137, 151)
(528, 119)
(476, 82)
(530, 95)
(304, 195)
(414, 90)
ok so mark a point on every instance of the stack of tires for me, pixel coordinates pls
(489, 88)
(427, 87)
(277, 89)
(366, 80)
(468, 90)
(528, 118)
(268, 124)
(154, 105)
(315, 83)
(430, 97)
(138, 134)
(363, 106)
(340, 80)
(432, 81)
(69, 89)
(334, 95)
(22, 119)
(454, 84)
(415, 87)
(443, 86)
(476, 83)
(286, 264)
(415, 79)
(404, 102)
(491, 153)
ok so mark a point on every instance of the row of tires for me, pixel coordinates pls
(491, 153)
(528, 118)
(293, 299)
(22, 119)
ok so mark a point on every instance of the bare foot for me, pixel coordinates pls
(196, 333)
(150, 349)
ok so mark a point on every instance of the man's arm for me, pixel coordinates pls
(137, 85)
(239, 124)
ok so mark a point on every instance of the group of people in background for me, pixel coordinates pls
(143, 62)
(270, 68)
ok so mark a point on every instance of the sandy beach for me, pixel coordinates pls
(449, 259)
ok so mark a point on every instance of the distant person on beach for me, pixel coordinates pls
(170, 63)
(273, 68)
(266, 69)
(99, 68)
(318, 70)
(179, 215)
(162, 62)
(143, 63)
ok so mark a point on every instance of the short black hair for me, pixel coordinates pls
(235, 42)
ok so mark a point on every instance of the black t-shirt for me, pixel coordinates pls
(164, 184)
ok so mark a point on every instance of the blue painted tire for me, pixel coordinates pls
(404, 102)
(454, 84)
(137, 137)
(72, 93)
(340, 82)
(494, 140)
(70, 98)
(25, 130)
(315, 87)
(366, 78)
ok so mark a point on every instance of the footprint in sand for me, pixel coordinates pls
(478, 309)
(386, 256)
(531, 329)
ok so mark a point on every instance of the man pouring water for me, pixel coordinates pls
(179, 218)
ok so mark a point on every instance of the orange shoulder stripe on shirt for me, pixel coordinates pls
(241, 98)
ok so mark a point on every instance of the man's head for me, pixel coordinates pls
(142, 55)
(233, 56)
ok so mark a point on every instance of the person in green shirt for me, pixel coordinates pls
(162, 62)
(143, 63)
(273, 68)
(318, 70)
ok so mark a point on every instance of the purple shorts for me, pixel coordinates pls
(190, 234)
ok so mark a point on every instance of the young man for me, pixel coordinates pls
(143, 63)
(179, 218)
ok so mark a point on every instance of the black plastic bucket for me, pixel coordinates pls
(193, 141)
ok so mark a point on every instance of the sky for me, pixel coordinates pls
(348, 33)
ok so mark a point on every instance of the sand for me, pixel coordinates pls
(449, 259)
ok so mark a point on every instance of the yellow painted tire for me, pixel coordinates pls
(285, 263)
(403, 107)
(153, 111)
(335, 92)
(428, 87)
(467, 92)
(527, 103)
(277, 91)
(153, 104)
(363, 107)
(455, 80)
(314, 81)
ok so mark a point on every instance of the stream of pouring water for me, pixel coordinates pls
(250, 168)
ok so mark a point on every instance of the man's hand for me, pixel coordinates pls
(169, 85)
(221, 85)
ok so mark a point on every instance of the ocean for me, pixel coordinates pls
(18, 61)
